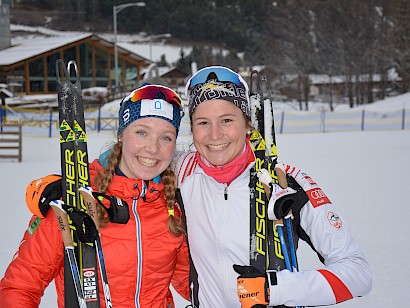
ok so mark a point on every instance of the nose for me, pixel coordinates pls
(215, 132)
(152, 145)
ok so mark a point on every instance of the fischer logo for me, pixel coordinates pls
(260, 220)
(317, 197)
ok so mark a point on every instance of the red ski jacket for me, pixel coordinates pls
(142, 257)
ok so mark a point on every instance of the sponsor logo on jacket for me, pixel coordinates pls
(317, 197)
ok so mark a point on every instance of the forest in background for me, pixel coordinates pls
(334, 37)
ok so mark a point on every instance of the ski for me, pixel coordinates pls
(269, 244)
(287, 240)
(69, 252)
(75, 174)
(90, 202)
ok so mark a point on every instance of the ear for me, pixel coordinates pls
(249, 126)
(120, 137)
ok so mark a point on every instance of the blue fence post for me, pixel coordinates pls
(403, 119)
(323, 120)
(282, 120)
(2, 115)
(99, 119)
(363, 116)
(51, 123)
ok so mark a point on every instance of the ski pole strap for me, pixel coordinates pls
(117, 210)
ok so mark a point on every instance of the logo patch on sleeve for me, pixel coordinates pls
(334, 220)
(34, 225)
(317, 197)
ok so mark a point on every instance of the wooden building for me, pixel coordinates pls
(30, 67)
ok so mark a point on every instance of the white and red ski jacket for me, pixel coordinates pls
(218, 218)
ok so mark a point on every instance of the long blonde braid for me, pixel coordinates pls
(175, 224)
(103, 180)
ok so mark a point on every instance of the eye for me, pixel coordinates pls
(167, 138)
(141, 132)
(227, 120)
(201, 122)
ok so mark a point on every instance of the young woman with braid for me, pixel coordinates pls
(145, 247)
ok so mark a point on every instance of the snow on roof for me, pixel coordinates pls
(33, 47)
(156, 50)
(162, 70)
(137, 44)
(42, 30)
(6, 92)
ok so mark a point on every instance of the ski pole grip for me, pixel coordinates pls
(90, 202)
(281, 174)
(63, 223)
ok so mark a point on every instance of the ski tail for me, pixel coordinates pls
(69, 253)
(91, 204)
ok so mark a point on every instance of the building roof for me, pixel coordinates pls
(34, 47)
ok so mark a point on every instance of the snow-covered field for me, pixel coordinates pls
(364, 174)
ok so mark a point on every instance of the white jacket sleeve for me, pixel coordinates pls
(345, 275)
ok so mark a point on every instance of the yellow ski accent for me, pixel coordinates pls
(82, 137)
(64, 126)
(70, 137)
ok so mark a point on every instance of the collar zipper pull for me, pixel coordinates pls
(226, 192)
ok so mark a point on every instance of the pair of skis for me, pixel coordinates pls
(76, 213)
(269, 244)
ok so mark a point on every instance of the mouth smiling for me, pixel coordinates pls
(148, 162)
(217, 147)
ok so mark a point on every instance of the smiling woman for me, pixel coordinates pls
(217, 188)
(136, 170)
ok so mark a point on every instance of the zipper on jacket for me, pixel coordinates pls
(226, 192)
(139, 253)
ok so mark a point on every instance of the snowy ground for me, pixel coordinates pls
(364, 174)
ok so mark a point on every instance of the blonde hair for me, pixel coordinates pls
(175, 224)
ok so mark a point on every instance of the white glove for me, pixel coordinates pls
(281, 202)
(281, 199)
